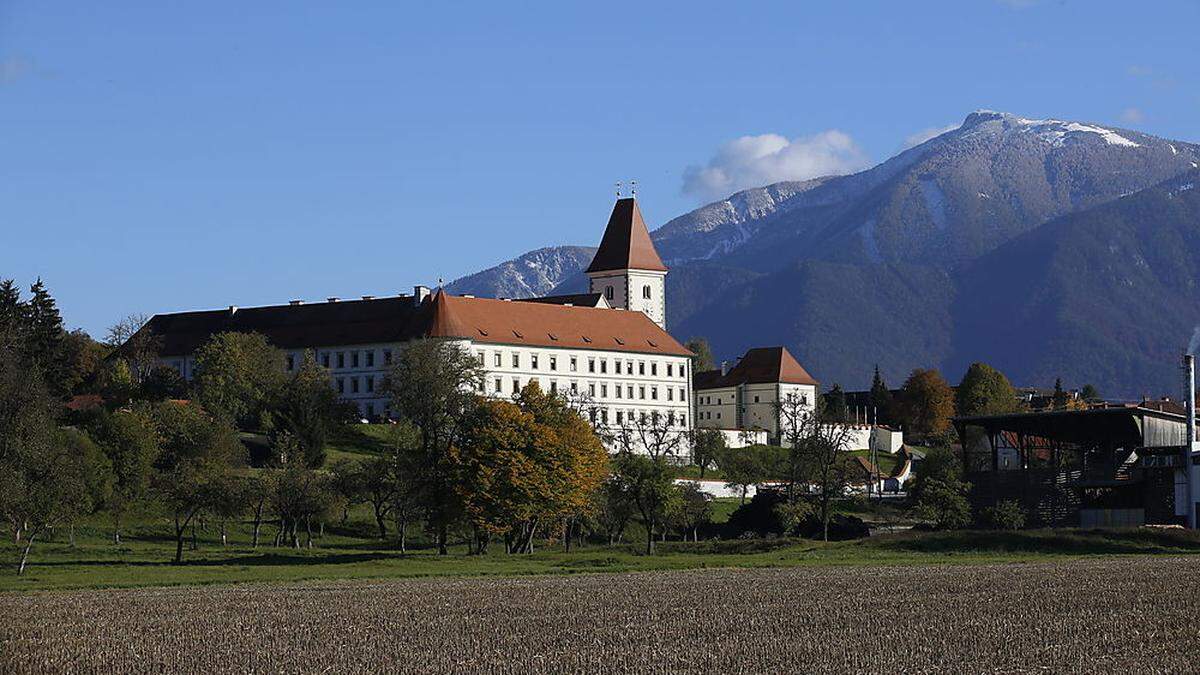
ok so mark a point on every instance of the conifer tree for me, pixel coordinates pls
(44, 339)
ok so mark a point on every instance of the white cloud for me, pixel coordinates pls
(754, 161)
(1132, 116)
(915, 139)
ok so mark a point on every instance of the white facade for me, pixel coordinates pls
(749, 406)
(636, 290)
(616, 386)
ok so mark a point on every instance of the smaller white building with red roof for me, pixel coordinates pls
(748, 396)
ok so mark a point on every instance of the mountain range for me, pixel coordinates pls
(1048, 248)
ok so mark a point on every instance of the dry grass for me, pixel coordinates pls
(1099, 615)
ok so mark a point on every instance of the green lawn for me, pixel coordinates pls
(348, 553)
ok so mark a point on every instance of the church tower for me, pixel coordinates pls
(627, 269)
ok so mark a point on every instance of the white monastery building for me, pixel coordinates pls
(608, 347)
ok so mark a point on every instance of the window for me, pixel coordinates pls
(654, 393)
(681, 396)
(353, 359)
(496, 359)
(682, 419)
(718, 414)
(641, 392)
(574, 364)
(591, 389)
(804, 399)
(370, 383)
(482, 386)
(604, 415)
(516, 359)
(371, 358)
(341, 359)
(341, 386)
(617, 367)
(618, 390)
(533, 361)
(516, 384)
(354, 385)
(604, 365)
(370, 410)
(608, 292)
(629, 367)
(756, 399)
(499, 386)
(654, 368)
(604, 391)
(670, 394)
(553, 363)
(324, 359)
(387, 357)
(479, 358)
(646, 292)
(641, 367)
(629, 391)
(620, 417)
(670, 369)
(553, 387)
(574, 387)
(591, 365)
(291, 362)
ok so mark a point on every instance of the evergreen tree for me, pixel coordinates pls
(836, 409)
(1060, 395)
(12, 310)
(44, 340)
(881, 399)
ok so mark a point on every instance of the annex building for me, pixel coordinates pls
(607, 348)
(747, 396)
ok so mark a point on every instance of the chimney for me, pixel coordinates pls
(295, 302)
(232, 310)
(420, 294)
(468, 295)
(332, 299)
(368, 297)
(1189, 476)
(724, 368)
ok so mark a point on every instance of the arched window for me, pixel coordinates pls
(646, 292)
(608, 293)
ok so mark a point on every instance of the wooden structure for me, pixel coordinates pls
(1070, 468)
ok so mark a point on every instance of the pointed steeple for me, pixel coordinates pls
(626, 243)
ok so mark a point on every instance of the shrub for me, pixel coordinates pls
(1004, 515)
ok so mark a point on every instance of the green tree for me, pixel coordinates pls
(743, 468)
(236, 376)
(12, 310)
(704, 356)
(835, 409)
(1090, 393)
(162, 383)
(198, 454)
(45, 339)
(130, 441)
(83, 360)
(985, 391)
(298, 494)
(649, 486)
(939, 491)
(47, 477)
(926, 403)
(1060, 399)
(708, 445)
(309, 409)
(880, 399)
(432, 386)
(690, 511)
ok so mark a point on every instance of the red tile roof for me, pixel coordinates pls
(545, 325)
(626, 243)
(761, 365)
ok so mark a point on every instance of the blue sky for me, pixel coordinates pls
(169, 156)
